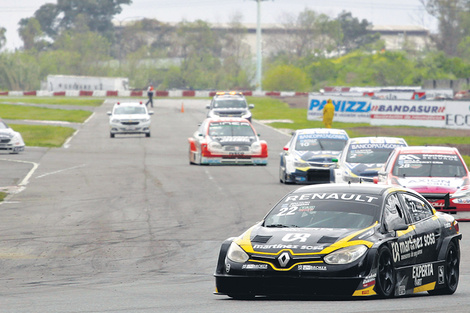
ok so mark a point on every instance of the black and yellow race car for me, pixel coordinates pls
(344, 239)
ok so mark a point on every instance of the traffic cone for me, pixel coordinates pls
(182, 107)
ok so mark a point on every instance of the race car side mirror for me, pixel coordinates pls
(251, 106)
(208, 106)
(109, 113)
(400, 226)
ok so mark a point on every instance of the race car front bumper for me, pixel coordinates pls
(286, 285)
(311, 176)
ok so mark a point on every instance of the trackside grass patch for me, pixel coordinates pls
(54, 100)
(23, 112)
(43, 135)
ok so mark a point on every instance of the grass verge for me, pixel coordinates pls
(43, 135)
(54, 100)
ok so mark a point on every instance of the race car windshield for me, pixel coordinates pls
(326, 210)
(223, 129)
(313, 144)
(230, 103)
(370, 152)
(129, 110)
(428, 165)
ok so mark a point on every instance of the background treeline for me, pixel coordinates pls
(79, 38)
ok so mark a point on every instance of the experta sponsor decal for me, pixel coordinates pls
(421, 271)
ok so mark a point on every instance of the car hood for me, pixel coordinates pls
(298, 240)
(317, 156)
(432, 184)
(364, 169)
(230, 110)
(7, 133)
(233, 140)
(129, 116)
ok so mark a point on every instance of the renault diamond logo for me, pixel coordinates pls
(283, 259)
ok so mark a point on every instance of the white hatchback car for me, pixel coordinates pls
(129, 118)
(10, 140)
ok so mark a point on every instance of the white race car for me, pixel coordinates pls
(129, 118)
(362, 158)
(227, 140)
(307, 157)
(10, 140)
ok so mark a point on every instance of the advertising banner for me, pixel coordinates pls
(408, 112)
(381, 112)
(347, 109)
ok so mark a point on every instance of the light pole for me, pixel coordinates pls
(259, 56)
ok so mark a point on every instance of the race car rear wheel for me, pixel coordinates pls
(451, 271)
(386, 277)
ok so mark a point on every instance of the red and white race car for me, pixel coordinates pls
(227, 141)
(437, 173)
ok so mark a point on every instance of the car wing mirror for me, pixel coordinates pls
(208, 106)
(400, 226)
(150, 112)
(109, 113)
(251, 106)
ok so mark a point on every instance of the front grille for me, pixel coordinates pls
(293, 259)
(236, 148)
(4, 140)
(130, 123)
(318, 175)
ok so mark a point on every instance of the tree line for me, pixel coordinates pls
(80, 38)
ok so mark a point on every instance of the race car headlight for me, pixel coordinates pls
(236, 254)
(115, 120)
(345, 255)
(461, 193)
(298, 163)
(214, 145)
(246, 115)
(256, 147)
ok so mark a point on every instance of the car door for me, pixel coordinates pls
(427, 227)
(396, 217)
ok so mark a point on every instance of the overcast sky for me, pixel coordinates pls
(378, 12)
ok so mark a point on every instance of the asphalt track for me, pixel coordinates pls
(127, 225)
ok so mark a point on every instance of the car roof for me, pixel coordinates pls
(321, 131)
(428, 149)
(129, 104)
(356, 188)
(226, 119)
(229, 93)
(396, 140)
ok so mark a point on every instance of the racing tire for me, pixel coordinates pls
(451, 271)
(111, 135)
(386, 276)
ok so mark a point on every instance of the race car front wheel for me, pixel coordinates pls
(386, 277)
(451, 271)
